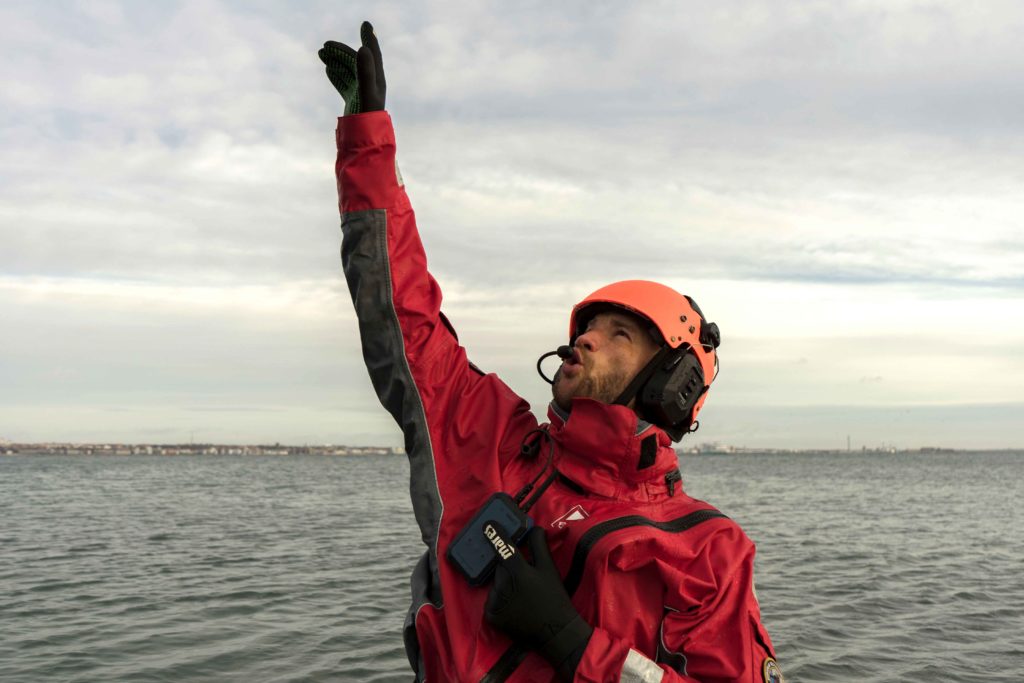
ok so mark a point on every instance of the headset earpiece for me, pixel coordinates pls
(709, 335)
(670, 394)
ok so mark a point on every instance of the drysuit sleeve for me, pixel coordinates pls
(710, 630)
(459, 424)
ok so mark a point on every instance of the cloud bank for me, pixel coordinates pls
(836, 183)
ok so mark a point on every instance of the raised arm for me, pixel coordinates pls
(446, 408)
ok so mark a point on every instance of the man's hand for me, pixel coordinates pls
(529, 604)
(357, 76)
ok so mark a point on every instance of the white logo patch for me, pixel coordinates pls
(574, 515)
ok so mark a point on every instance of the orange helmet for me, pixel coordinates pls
(678, 388)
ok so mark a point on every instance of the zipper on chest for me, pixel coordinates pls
(595, 533)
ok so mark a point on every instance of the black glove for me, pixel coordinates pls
(357, 76)
(529, 604)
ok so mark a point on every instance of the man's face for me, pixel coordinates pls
(607, 356)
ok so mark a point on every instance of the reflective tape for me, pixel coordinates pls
(639, 669)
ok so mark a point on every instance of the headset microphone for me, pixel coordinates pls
(564, 352)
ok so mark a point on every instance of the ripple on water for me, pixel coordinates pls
(296, 569)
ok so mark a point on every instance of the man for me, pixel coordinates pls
(628, 579)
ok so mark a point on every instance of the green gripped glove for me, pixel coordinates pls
(340, 60)
(357, 76)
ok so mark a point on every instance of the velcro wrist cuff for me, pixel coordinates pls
(570, 641)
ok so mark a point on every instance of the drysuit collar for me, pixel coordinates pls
(609, 451)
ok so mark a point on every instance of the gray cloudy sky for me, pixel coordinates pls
(837, 183)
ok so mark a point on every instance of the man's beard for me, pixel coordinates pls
(604, 388)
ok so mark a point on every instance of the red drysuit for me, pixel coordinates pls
(665, 580)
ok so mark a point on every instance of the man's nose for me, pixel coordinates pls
(589, 340)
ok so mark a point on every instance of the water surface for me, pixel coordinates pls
(261, 568)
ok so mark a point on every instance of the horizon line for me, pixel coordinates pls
(705, 447)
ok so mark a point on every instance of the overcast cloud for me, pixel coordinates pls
(837, 183)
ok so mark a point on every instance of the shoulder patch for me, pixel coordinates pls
(772, 672)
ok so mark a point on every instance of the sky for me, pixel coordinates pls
(838, 184)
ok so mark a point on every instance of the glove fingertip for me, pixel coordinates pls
(326, 57)
(333, 47)
(369, 37)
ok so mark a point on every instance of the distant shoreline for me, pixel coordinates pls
(128, 450)
(28, 449)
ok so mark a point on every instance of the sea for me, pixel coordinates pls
(870, 566)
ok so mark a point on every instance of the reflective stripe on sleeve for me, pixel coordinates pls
(639, 669)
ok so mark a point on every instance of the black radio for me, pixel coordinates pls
(475, 550)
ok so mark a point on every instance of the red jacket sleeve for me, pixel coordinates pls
(711, 630)
(455, 419)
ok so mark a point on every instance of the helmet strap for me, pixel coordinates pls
(634, 387)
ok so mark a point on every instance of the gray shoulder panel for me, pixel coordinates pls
(364, 257)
